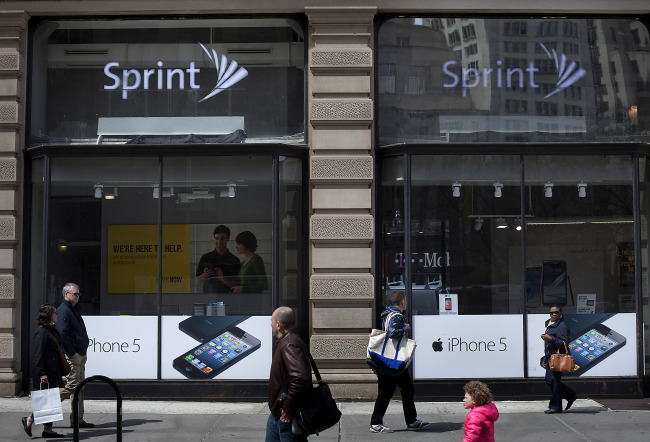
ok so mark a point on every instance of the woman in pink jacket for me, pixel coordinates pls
(479, 423)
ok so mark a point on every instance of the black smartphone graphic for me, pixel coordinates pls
(533, 286)
(594, 345)
(202, 328)
(554, 283)
(207, 360)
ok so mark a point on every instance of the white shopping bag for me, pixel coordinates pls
(47, 405)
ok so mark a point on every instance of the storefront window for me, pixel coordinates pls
(219, 80)
(494, 241)
(512, 80)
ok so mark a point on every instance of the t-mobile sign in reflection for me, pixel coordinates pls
(481, 346)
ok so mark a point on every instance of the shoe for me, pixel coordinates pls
(551, 411)
(380, 428)
(417, 425)
(52, 435)
(569, 403)
(84, 424)
(27, 429)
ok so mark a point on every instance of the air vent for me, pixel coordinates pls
(249, 51)
(86, 52)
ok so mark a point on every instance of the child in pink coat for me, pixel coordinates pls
(479, 423)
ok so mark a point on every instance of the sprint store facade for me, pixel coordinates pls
(489, 167)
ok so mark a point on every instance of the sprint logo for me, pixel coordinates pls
(566, 75)
(162, 78)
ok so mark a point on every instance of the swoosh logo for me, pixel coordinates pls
(227, 75)
(566, 75)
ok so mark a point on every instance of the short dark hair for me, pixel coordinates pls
(44, 316)
(556, 306)
(479, 392)
(397, 297)
(247, 239)
(222, 229)
(286, 317)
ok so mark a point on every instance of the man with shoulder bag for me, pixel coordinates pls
(74, 340)
(290, 378)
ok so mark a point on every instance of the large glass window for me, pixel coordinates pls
(233, 80)
(512, 80)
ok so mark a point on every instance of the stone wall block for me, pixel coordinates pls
(341, 258)
(7, 291)
(339, 346)
(342, 287)
(7, 170)
(338, 59)
(9, 114)
(7, 347)
(328, 111)
(341, 198)
(7, 228)
(341, 168)
(341, 227)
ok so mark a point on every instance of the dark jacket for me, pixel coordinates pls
(45, 358)
(72, 329)
(397, 327)
(291, 366)
(559, 332)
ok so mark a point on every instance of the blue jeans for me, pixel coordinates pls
(278, 431)
(559, 390)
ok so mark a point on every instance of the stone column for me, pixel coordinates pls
(341, 175)
(13, 46)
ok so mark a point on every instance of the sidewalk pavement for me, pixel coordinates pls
(160, 421)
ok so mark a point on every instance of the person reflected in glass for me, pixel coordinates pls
(556, 337)
(217, 270)
(252, 275)
(46, 369)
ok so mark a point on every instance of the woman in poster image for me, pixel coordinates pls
(252, 274)
(46, 371)
(555, 337)
(479, 423)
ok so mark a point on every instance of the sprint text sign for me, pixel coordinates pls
(161, 78)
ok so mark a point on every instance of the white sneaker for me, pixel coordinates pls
(380, 428)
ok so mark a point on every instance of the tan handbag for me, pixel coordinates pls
(562, 362)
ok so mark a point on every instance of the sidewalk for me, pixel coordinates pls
(159, 421)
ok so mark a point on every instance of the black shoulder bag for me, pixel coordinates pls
(318, 410)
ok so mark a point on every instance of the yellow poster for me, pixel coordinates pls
(132, 258)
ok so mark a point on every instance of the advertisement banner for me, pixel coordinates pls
(132, 258)
(122, 347)
(602, 344)
(477, 346)
(216, 347)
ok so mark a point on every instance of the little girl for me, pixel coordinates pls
(479, 423)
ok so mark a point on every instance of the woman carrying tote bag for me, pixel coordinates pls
(46, 369)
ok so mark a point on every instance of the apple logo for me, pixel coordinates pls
(437, 345)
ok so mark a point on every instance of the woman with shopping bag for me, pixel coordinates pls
(46, 368)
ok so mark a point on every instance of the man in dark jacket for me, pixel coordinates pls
(290, 377)
(555, 336)
(75, 346)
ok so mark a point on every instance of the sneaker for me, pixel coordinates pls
(380, 428)
(417, 425)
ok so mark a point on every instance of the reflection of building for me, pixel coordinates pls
(328, 89)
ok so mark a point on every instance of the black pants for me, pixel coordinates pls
(559, 391)
(385, 389)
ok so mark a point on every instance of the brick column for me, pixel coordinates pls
(341, 175)
(13, 46)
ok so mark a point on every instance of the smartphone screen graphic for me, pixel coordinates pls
(447, 303)
(203, 328)
(554, 283)
(207, 360)
(594, 345)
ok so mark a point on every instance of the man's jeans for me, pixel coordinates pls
(278, 431)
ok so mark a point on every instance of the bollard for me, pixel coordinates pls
(75, 404)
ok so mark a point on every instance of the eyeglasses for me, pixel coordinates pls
(554, 313)
(75, 294)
